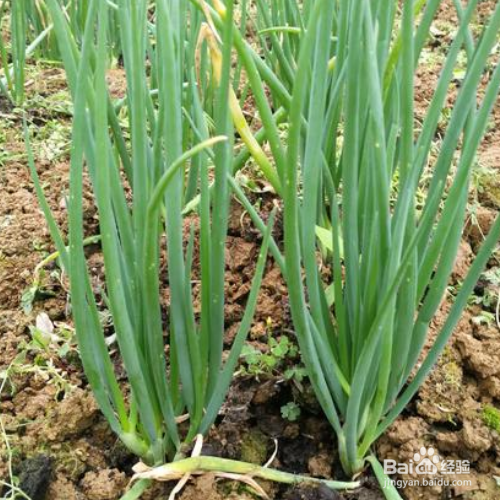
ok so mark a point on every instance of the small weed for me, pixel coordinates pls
(291, 411)
(452, 374)
(257, 363)
(51, 338)
(484, 318)
(36, 291)
(38, 357)
(491, 417)
(297, 373)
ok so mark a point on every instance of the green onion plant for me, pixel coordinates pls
(356, 152)
(38, 25)
(132, 235)
(12, 74)
(341, 76)
(31, 35)
(186, 374)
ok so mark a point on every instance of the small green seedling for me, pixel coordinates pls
(491, 417)
(51, 338)
(271, 362)
(291, 411)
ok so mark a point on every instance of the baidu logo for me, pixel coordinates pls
(427, 461)
(430, 469)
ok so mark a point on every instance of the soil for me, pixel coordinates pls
(61, 448)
